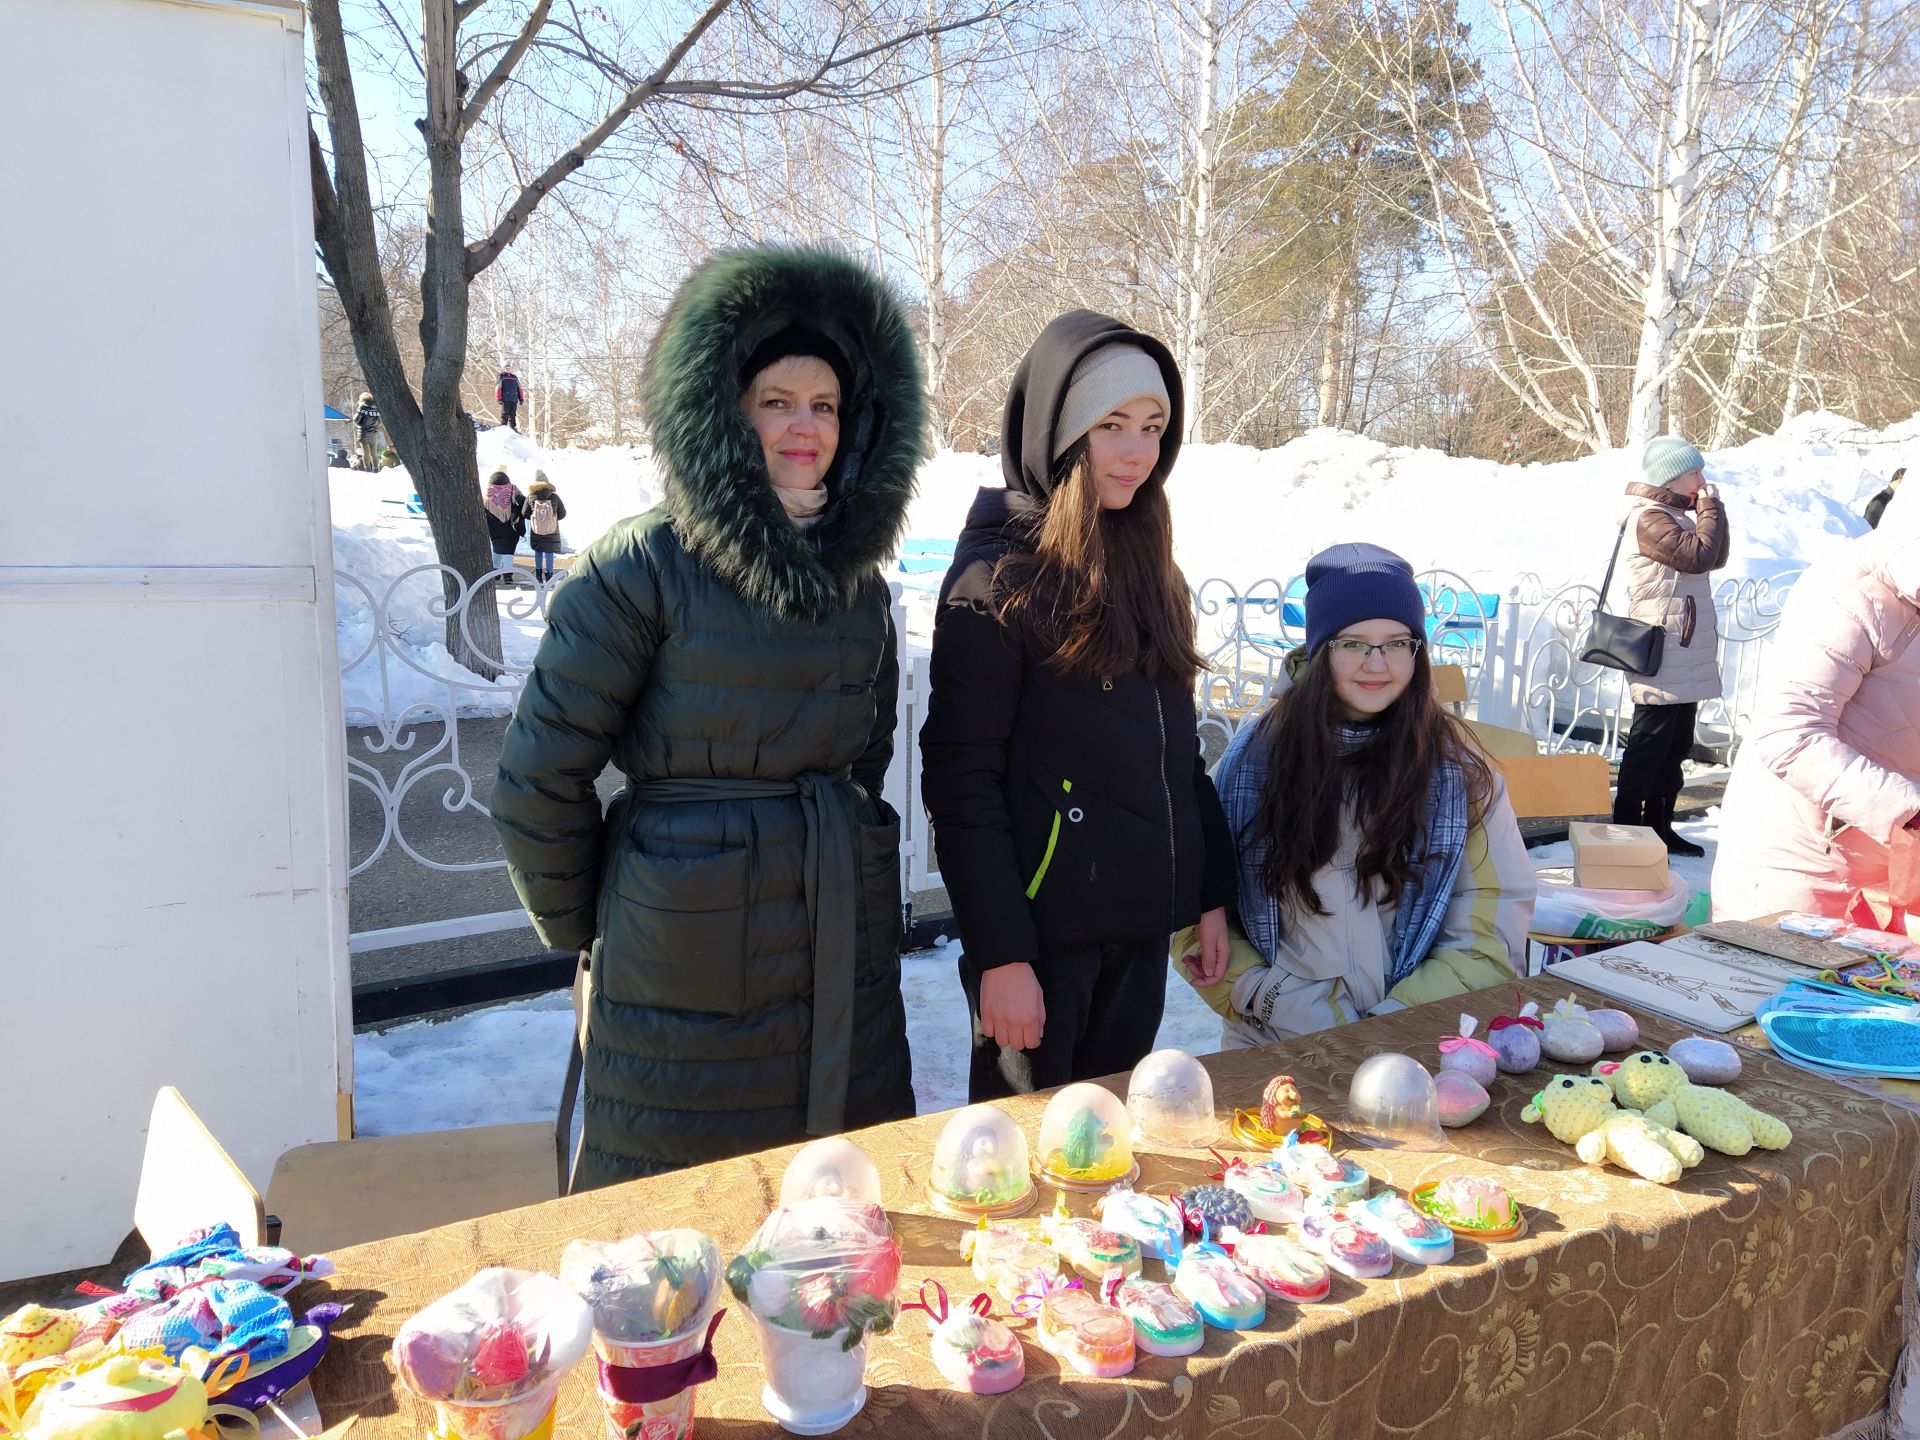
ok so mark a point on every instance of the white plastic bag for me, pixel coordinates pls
(1564, 908)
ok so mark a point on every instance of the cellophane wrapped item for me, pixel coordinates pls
(490, 1356)
(653, 1298)
(817, 1279)
(648, 1287)
(825, 1267)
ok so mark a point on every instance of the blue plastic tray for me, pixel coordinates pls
(1864, 1044)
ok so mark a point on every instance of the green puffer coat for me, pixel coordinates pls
(742, 895)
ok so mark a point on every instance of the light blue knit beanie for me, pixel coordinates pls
(1667, 457)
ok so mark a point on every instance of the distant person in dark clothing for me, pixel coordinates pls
(1877, 506)
(507, 392)
(366, 425)
(506, 519)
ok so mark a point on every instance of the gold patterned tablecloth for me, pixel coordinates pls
(1758, 1297)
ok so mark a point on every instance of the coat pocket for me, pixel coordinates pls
(674, 932)
(1056, 796)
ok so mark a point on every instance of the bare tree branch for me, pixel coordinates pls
(497, 77)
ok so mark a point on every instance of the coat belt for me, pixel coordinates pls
(832, 884)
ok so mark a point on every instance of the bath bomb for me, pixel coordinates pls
(1462, 1098)
(1618, 1030)
(1706, 1062)
(1571, 1041)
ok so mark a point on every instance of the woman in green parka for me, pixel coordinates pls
(732, 652)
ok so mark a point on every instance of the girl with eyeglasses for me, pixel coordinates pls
(1380, 862)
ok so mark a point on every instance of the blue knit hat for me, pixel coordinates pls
(1350, 583)
(1668, 457)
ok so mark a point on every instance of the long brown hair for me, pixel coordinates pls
(1310, 782)
(1100, 586)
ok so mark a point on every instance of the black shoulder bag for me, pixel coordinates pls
(1617, 642)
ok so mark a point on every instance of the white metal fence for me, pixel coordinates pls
(1518, 646)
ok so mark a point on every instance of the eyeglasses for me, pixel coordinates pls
(1355, 652)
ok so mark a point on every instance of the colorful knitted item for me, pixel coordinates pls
(215, 1253)
(223, 1317)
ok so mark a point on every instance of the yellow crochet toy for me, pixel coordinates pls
(1642, 1080)
(33, 1332)
(1579, 1110)
(123, 1398)
(1721, 1120)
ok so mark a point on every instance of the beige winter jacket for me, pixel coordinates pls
(1665, 565)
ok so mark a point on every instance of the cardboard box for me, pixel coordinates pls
(1617, 857)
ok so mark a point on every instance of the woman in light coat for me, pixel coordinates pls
(1825, 797)
(1665, 557)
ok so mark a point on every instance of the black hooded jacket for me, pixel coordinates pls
(1066, 811)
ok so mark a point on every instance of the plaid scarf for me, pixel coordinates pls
(1241, 779)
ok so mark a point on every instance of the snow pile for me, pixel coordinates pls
(381, 540)
(1239, 514)
(504, 1065)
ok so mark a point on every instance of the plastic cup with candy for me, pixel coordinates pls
(974, 1351)
(1170, 1097)
(817, 1279)
(1154, 1224)
(1213, 1209)
(1346, 1237)
(1464, 1053)
(490, 1356)
(1283, 1268)
(1090, 1248)
(655, 1301)
(1225, 1296)
(1269, 1194)
(1471, 1205)
(1082, 1329)
(1317, 1171)
(1391, 1104)
(1010, 1261)
(120, 1397)
(980, 1165)
(1084, 1139)
(1164, 1323)
(1416, 1238)
(834, 1168)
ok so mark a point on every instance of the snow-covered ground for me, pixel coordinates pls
(1239, 514)
(505, 1063)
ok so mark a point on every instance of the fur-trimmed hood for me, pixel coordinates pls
(719, 494)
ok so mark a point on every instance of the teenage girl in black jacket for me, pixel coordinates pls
(1075, 823)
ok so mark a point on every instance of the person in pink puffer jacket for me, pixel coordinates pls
(1824, 803)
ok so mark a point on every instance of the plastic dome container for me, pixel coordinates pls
(1392, 1104)
(833, 1167)
(1170, 1098)
(980, 1165)
(1085, 1139)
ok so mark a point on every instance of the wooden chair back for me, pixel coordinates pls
(1556, 785)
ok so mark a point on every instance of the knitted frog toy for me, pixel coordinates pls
(1721, 1120)
(1642, 1080)
(1579, 1110)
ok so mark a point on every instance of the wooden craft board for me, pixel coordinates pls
(1802, 950)
(1694, 989)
